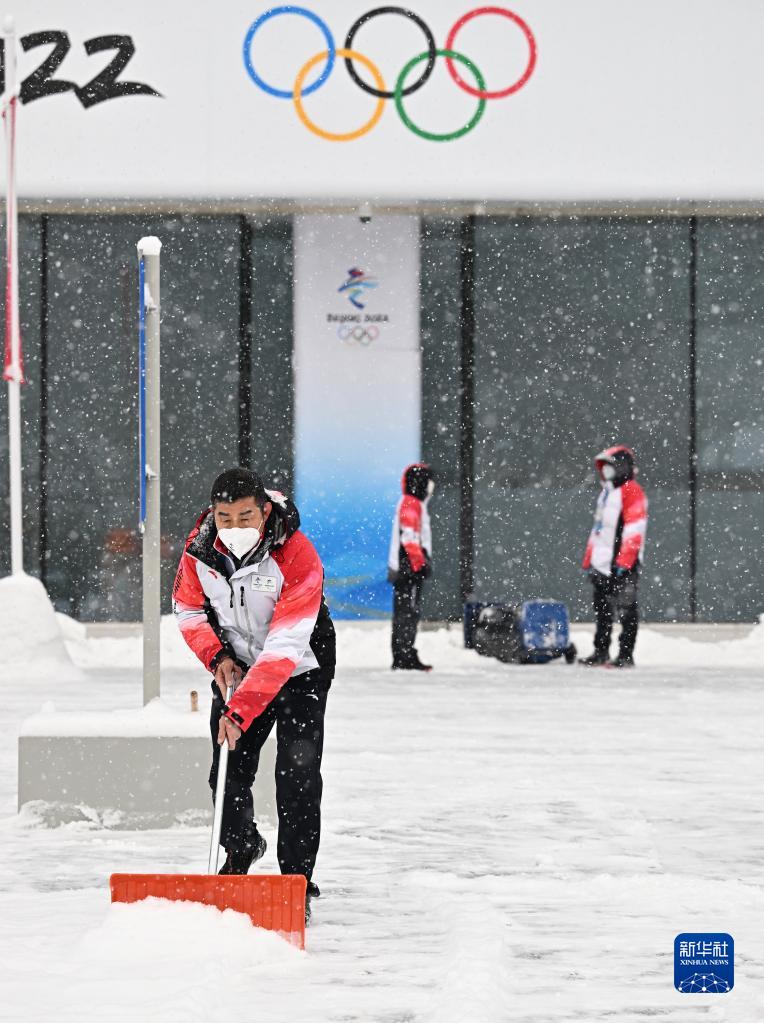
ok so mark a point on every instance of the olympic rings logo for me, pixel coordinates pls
(379, 90)
(361, 335)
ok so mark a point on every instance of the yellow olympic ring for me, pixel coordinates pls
(333, 136)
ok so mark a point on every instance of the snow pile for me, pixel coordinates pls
(156, 719)
(660, 650)
(359, 645)
(138, 934)
(158, 960)
(366, 645)
(32, 638)
(126, 651)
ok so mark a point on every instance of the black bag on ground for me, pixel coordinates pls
(495, 633)
(535, 632)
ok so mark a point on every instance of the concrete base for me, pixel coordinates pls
(126, 781)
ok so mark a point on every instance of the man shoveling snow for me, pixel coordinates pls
(248, 598)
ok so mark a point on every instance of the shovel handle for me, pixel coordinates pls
(217, 815)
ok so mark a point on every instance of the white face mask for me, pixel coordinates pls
(608, 472)
(240, 540)
(430, 488)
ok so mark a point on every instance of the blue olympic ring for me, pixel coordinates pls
(288, 9)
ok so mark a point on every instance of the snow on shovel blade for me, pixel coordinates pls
(275, 902)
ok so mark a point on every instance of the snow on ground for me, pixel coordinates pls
(500, 843)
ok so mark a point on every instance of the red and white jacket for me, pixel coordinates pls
(617, 538)
(412, 532)
(263, 613)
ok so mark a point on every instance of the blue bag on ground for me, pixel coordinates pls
(534, 632)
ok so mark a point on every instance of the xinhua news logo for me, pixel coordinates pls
(704, 964)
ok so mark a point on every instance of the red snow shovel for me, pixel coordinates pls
(275, 902)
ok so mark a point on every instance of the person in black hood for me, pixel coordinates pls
(248, 598)
(613, 556)
(410, 563)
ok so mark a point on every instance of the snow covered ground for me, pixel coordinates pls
(500, 843)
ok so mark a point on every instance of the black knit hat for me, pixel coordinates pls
(415, 480)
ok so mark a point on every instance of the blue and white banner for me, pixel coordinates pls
(357, 394)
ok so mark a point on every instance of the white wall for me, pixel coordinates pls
(657, 99)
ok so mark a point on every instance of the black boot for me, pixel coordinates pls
(311, 892)
(411, 665)
(599, 657)
(240, 858)
(622, 661)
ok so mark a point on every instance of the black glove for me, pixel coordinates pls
(426, 570)
(623, 583)
(597, 578)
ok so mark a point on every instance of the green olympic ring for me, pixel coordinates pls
(432, 136)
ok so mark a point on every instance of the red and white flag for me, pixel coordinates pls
(13, 365)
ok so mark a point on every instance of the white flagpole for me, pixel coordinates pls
(13, 371)
(148, 253)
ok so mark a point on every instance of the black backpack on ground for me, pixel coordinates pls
(495, 635)
(535, 632)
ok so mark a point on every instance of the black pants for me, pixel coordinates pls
(616, 598)
(407, 600)
(298, 713)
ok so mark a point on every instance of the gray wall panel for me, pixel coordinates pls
(441, 369)
(272, 333)
(95, 554)
(730, 419)
(581, 341)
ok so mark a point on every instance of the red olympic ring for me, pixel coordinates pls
(498, 93)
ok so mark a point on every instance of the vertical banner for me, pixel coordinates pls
(357, 370)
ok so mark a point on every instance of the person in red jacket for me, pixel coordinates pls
(248, 598)
(409, 563)
(614, 555)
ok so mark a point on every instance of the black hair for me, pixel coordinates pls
(234, 484)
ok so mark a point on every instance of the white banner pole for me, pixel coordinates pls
(148, 254)
(13, 372)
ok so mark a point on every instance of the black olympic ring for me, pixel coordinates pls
(431, 54)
